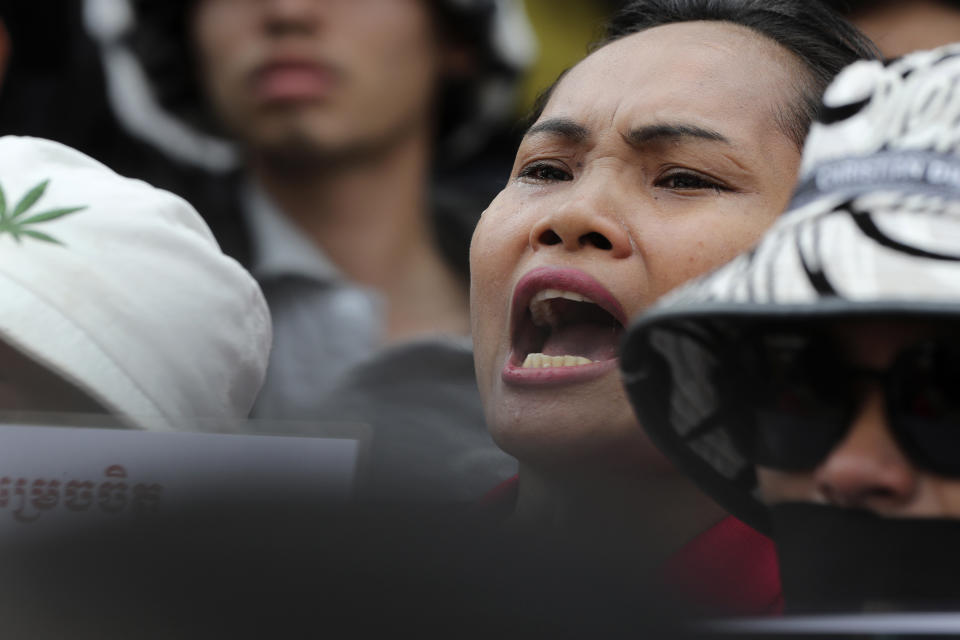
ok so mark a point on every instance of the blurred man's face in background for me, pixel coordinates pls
(318, 78)
(868, 468)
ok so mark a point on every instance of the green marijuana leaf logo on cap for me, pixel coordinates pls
(14, 222)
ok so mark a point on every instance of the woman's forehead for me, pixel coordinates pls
(715, 74)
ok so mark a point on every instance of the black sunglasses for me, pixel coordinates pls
(792, 399)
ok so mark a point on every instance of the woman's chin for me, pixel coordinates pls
(569, 438)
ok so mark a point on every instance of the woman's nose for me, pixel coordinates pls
(868, 469)
(591, 219)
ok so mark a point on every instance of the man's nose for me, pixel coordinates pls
(590, 217)
(868, 469)
(281, 16)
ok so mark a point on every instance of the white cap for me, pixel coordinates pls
(120, 288)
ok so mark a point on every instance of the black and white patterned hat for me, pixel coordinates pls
(873, 228)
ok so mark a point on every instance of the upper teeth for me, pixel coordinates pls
(543, 361)
(540, 309)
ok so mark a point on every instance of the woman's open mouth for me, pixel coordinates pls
(565, 327)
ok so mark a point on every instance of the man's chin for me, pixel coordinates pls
(294, 138)
(294, 148)
(309, 151)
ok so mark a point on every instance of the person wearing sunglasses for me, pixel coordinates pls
(812, 385)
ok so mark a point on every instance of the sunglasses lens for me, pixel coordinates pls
(924, 401)
(798, 400)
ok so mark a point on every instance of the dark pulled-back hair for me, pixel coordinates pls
(822, 40)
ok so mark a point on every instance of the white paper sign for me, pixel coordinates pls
(52, 477)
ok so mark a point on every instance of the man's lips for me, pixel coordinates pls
(287, 80)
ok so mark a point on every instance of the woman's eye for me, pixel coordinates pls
(689, 182)
(543, 172)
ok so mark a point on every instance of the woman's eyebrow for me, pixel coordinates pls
(563, 127)
(656, 132)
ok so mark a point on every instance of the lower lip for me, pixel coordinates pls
(553, 376)
(285, 84)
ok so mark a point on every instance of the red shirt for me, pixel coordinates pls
(728, 569)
